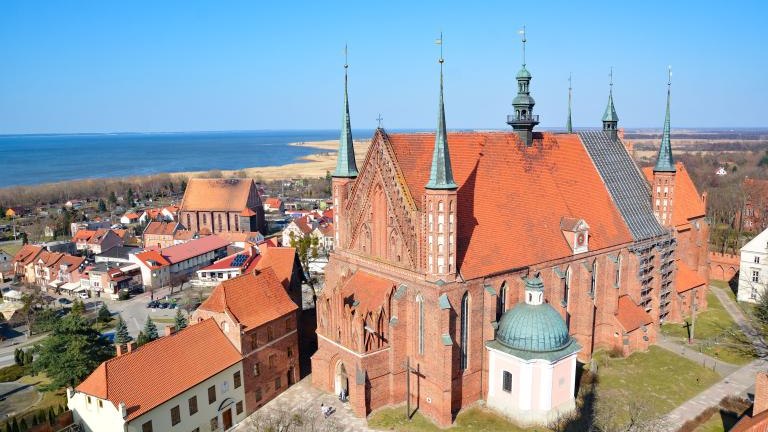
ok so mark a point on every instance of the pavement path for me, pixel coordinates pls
(301, 398)
(720, 366)
(736, 383)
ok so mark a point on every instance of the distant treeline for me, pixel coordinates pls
(721, 146)
(736, 135)
(91, 189)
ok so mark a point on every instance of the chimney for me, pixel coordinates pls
(169, 330)
(120, 349)
(132, 346)
(761, 393)
(704, 196)
(123, 409)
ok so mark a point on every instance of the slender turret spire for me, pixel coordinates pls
(441, 174)
(568, 123)
(665, 162)
(345, 160)
(523, 120)
(610, 119)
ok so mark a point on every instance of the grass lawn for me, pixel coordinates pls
(659, 376)
(11, 248)
(471, 420)
(711, 333)
(164, 320)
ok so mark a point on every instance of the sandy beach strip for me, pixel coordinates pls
(314, 165)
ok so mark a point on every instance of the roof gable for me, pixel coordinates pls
(217, 194)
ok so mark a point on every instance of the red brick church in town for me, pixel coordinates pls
(437, 234)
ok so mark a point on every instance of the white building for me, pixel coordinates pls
(188, 381)
(173, 264)
(532, 362)
(753, 269)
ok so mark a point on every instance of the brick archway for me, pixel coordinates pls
(719, 273)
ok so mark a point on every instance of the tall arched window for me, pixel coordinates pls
(501, 303)
(420, 319)
(464, 331)
(593, 282)
(567, 286)
(617, 274)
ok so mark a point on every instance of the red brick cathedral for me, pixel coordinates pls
(437, 234)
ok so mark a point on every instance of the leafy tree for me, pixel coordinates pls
(179, 321)
(150, 330)
(104, 315)
(18, 356)
(122, 336)
(102, 205)
(28, 357)
(71, 352)
(141, 339)
(78, 307)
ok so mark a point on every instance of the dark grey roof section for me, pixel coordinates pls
(626, 183)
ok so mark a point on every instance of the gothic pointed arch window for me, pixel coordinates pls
(465, 332)
(567, 286)
(379, 222)
(420, 323)
(501, 302)
(617, 273)
(593, 281)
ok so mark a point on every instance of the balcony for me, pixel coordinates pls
(513, 118)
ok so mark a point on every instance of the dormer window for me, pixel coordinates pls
(576, 233)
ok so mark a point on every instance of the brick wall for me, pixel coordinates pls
(723, 267)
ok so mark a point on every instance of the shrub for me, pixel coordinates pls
(13, 372)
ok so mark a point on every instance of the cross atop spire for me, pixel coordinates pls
(346, 166)
(379, 120)
(441, 173)
(665, 162)
(568, 123)
(522, 32)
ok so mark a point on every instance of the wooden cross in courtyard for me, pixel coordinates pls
(409, 370)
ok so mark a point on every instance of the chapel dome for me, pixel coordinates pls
(533, 326)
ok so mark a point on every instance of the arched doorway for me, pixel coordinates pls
(341, 382)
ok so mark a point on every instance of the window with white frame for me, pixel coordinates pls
(757, 259)
(755, 275)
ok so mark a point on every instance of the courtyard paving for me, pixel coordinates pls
(304, 401)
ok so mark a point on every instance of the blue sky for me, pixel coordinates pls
(107, 66)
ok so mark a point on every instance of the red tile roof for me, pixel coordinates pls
(687, 279)
(280, 259)
(687, 200)
(630, 315)
(226, 262)
(153, 259)
(273, 202)
(758, 423)
(27, 254)
(253, 299)
(192, 248)
(131, 215)
(304, 224)
(248, 212)
(511, 197)
(234, 237)
(366, 292)
(83, 235)
(217, 194)
(158, 371)
(161, 228)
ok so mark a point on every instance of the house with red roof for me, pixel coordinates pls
(160, 234)
(260, 319)
(189, 380)
(174, 264)
(49, 270)
(274, 205)
(130, 218)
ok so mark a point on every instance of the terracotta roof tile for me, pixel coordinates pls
(280, 259)
(253, 299)
(217, 194)
(184, 251)
(366, 292)
(273, 202)
(511, 198)
(161, 228)
(27, 254)
(162, 369)
(687, 279)
(83, 235)
(630, 315)
(153, 259)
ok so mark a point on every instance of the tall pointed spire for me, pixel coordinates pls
(610, 119)
(665, 162)
(346, 166)
(441, 173)
(568, 123)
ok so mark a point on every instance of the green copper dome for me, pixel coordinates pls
(523, 73)
(533, 326)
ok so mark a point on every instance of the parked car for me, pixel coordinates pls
(83, 295)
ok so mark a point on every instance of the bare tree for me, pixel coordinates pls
(281, 420)
(619, 411)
